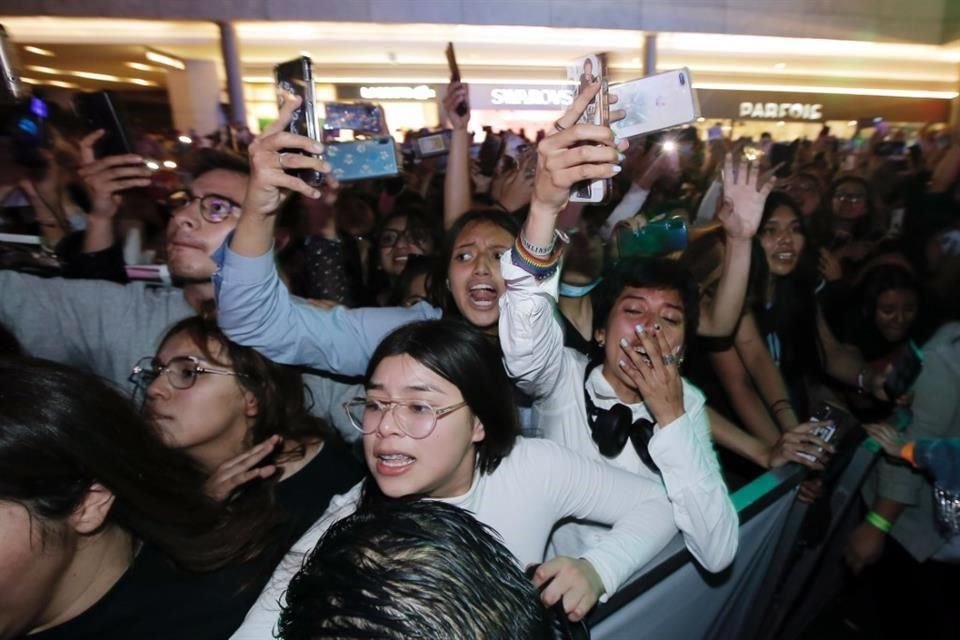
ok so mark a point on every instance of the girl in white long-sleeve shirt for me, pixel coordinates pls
(439, 421)
(644, 313)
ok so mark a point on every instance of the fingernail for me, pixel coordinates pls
(314, 194)
(617, 168)
(622, 363)
(621, 156)
(624, 343)
(318, 147)
(639, 329)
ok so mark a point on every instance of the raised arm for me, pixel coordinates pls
(764, 373)
(255, 309)
(743, 199)
(457, 194)
(104, 179)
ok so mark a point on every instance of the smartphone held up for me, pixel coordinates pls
(583, 73)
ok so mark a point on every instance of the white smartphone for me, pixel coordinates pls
(581, 73)
(825, 432)
(656, 102)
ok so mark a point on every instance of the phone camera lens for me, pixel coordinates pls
(683, 79)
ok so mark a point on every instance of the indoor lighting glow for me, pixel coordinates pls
(948, 76)
(152, 165)
(169, 164)
(169, 61)
(139, 66)
(39, 51)
(848, 91)
(89, 75)
(806, 47)
(141, 82)
(780, 65)
(39, 69)
(185, 139)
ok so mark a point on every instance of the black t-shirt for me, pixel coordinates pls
(154, 601)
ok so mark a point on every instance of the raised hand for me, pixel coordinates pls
(457, 93)
(105, 178)
(887, 437)
(269, 162)
(575, 581)
(743, 198)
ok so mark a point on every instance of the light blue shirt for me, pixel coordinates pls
(255, 309)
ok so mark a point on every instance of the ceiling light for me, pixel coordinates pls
(29, 80)
(152, 165)
(169, 164)
(49, 70)
(185, 139)
(139, 66)
(851, 123)
(701, 119)
(780, 65)
(849, 91)
(166, 60)
(89, 75)
(141, 82)
(781, 123)
(39, 51)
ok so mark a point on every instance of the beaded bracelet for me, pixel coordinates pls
(878, 521)
(537, 249)
(539, 267)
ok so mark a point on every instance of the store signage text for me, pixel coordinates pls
(419, 92)
(531, 97)
(781, 110)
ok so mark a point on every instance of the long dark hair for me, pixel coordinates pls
(62, 430)
(467, 358)
(792, 316)
(440, 294)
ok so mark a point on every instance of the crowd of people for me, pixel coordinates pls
(364, 409)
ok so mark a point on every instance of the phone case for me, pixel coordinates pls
(461, 108)
(97, 111)
(432, 144)
(364, 117)
(580, 74)
(295, 78)
(657, 238)
(656, 102)
(363, 159)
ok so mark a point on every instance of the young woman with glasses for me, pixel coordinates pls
(244, 420)
(438, 421)
(402, 234)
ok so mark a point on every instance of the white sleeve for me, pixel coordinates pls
(629, 206)
(634, 506)
(262, 618)
(530, 334)
(702, 509)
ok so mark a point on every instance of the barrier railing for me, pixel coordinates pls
(672, 597)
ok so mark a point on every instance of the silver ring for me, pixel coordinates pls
(669, 359)
(280, 157)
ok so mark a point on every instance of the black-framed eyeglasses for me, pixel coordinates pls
(182, 371)
(214, 208)
(390, 237)
(415, 418)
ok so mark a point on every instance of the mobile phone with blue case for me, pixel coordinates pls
(362, 159)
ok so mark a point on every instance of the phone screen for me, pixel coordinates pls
(295, 79)
(657, 238)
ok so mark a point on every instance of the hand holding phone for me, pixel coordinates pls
(583, 74)
(294, 80)
(461, 108)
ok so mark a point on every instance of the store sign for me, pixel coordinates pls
(781, 110)
(520, 97)
(419, 92)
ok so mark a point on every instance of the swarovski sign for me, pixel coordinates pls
(531, 97)
(781, 110)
